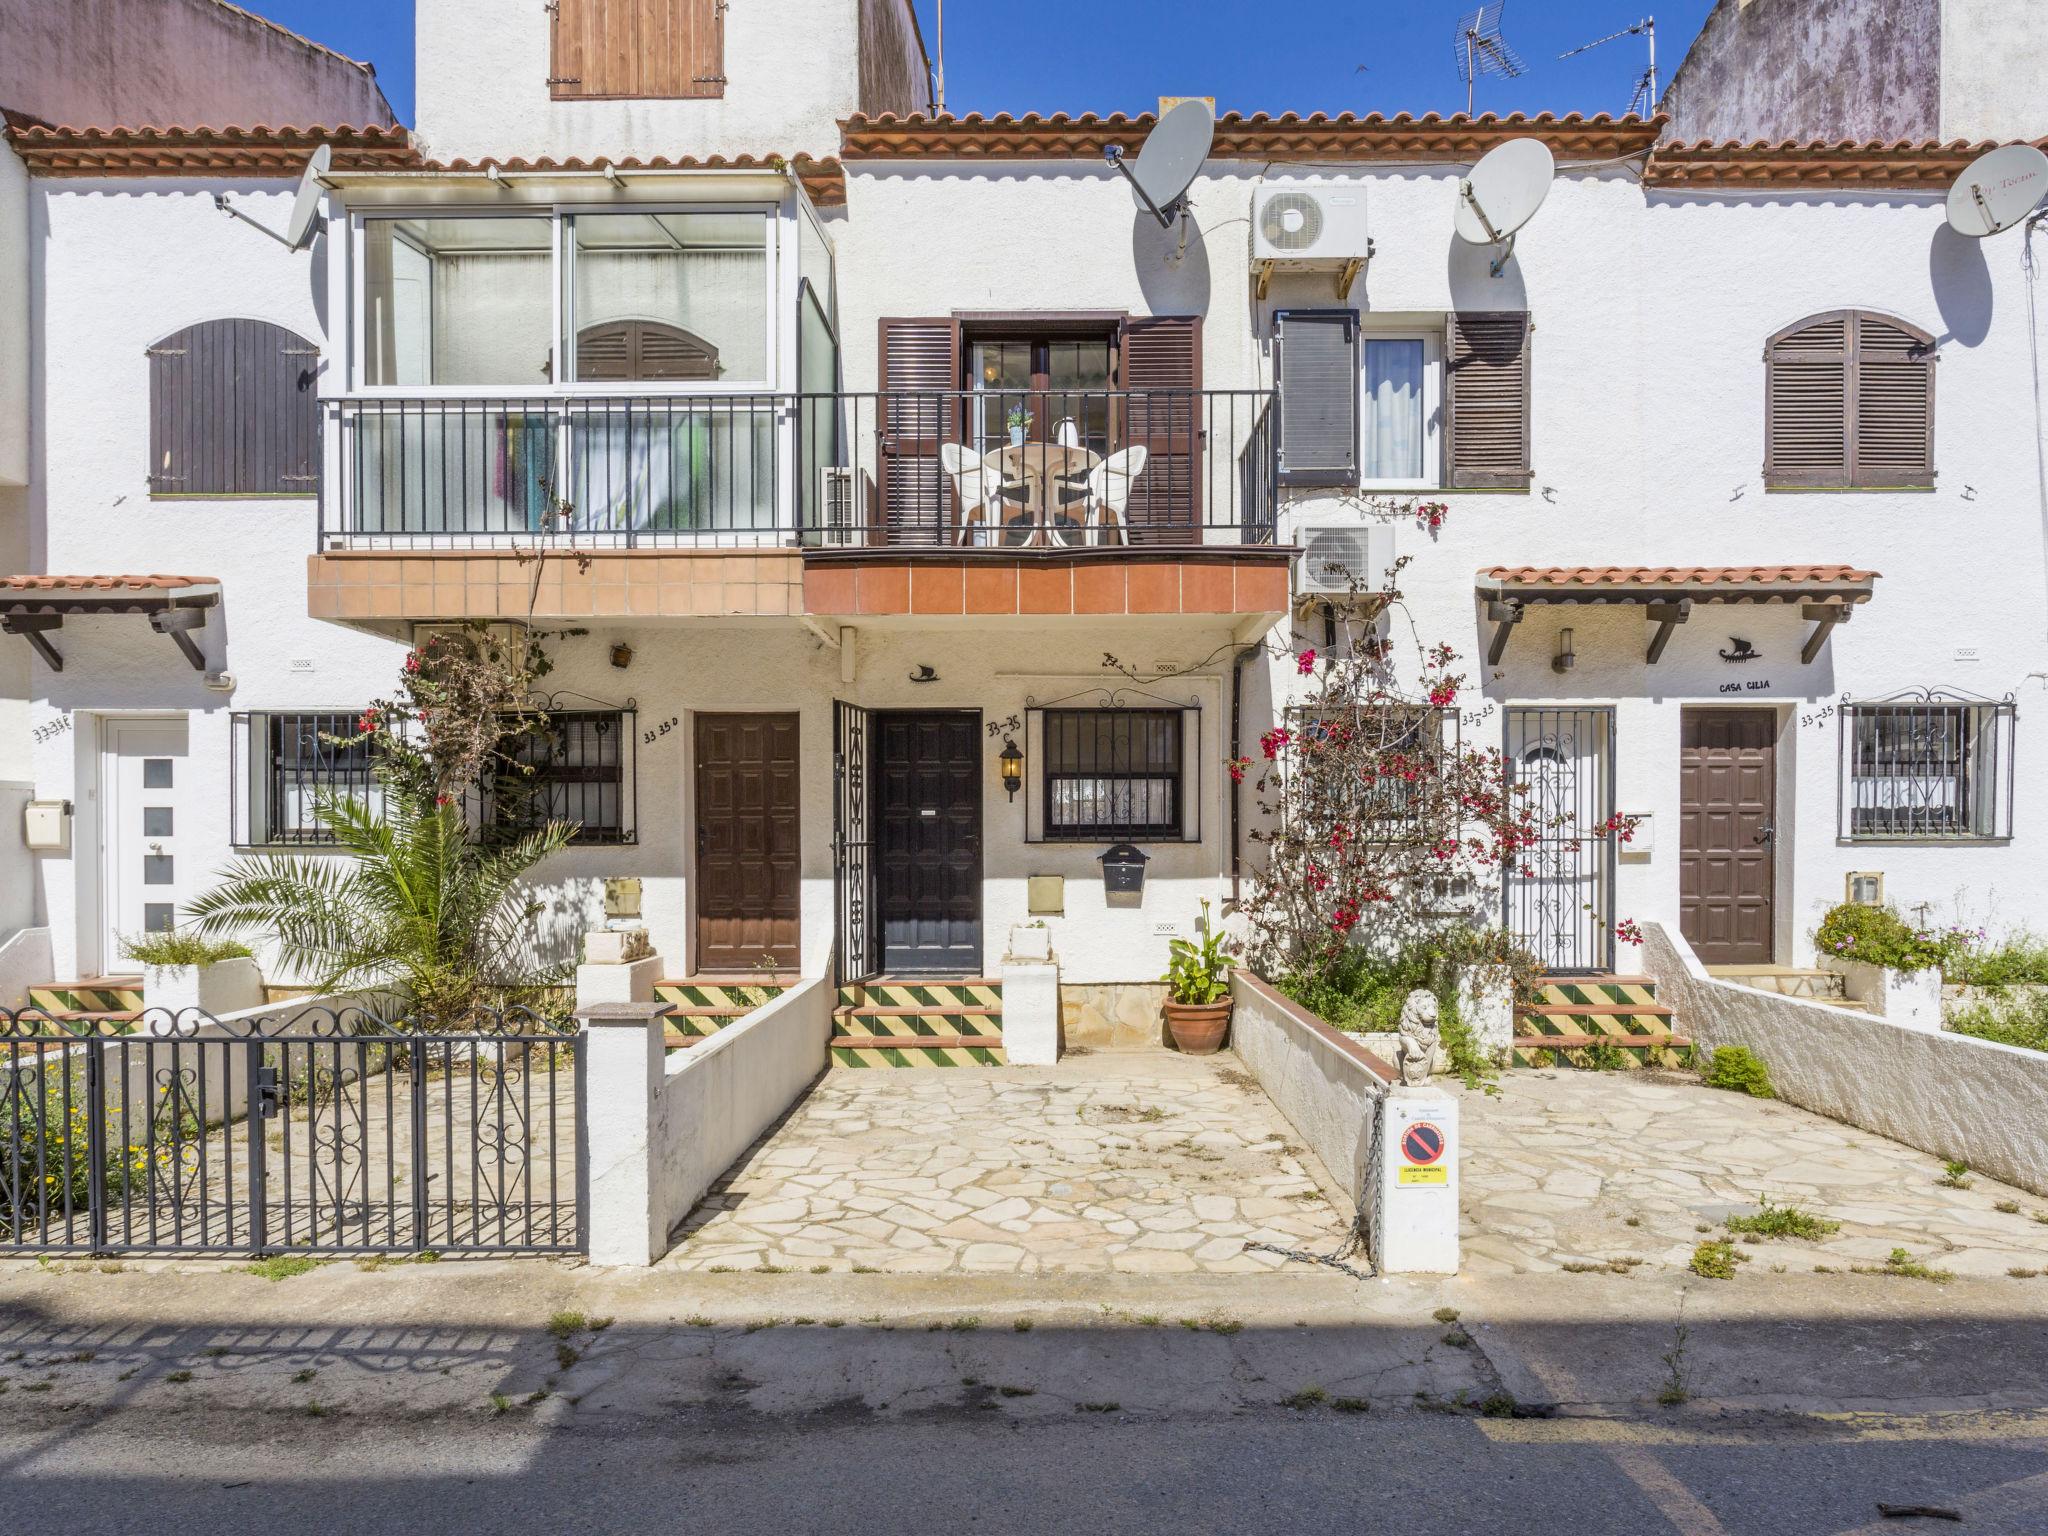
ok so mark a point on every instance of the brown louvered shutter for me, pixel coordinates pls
(1892, 445)
(1806, 403)
(919, 368)
(234, 411)
(1162, 369)
(612, 49)
(1486, 400)
(622, 350)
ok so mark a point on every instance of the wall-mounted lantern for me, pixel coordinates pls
(1012, 762)
(1565, 659)
(622, 655)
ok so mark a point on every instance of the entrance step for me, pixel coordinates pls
(1788, 980)
(1567, 1017)
(706, 1004)
(89, 994)
(907, 1022)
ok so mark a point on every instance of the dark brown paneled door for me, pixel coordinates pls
(926, 807)
(1726, 833)
(748, 877)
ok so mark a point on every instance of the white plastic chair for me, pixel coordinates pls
(1109, 492)
(977, 482)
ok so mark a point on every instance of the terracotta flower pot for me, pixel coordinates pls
(1198, 1028)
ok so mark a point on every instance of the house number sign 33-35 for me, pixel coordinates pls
(650, 737)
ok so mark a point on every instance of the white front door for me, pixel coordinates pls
(143, 789)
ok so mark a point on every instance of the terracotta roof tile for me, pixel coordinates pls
(1260, 136)
(258, 150)
(145, 583)
(1902, 165)
(1734, 576)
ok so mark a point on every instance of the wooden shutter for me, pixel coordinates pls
(1849, 403)
(1486, 400)
(1315, 359)
(624, 350)
(637, 49)
(234, 411)
(921, 355)
(1161, 359)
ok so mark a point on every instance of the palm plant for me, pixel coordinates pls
(414, 906)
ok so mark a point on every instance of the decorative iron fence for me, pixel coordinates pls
(325, 1131)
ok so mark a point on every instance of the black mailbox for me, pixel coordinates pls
(1123, 875)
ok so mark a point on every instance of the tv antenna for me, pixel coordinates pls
(305, 207)
(1646, 83)
(1171, 159)
(1501, 194)
(2000, 188)
(1481, 50)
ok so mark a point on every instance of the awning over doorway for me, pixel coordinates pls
(1666, 593)
(35, 607)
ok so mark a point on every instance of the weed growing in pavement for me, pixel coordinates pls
(302, 1377)
(721, 1269)
(178, 1377)
(1458, 1338)
(1223, 1325)
(317, 1410)
(2006, 1207)
(1739, 1070)
(566, 1356)
(821, 1269)
(1350, 1404)
(282, 1266)
(803, 1322)
(964, 1324)
(697, 1320)
(1445, 1314)
(87, 1356)
(1310, 1396)
(1022, 1325)
(1716, 1259)
(1498, 1405)
(1097, 1407)
(2023, 1274)
(500, 1404)
(1954, 1175)
(215, 1351)
(1632, 1221)
(2042, 1217)
(537, 1395)
(567, 1324)
(865, 1269)
(1902, 1265)
(1783, 1221)
(1148, 1319)
(771, 1269)
(1677, 1386)
(1018, 1391)
(759, 1324)
(44, 1386)
(835, 1322)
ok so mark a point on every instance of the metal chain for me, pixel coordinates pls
(1314, 1258)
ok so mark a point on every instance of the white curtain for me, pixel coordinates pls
(1393, 409)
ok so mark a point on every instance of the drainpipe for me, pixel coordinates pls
(1236, 786)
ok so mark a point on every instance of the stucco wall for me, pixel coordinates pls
(14, 320)
(174, 63)
(895, 75)
(791, 73)
(1994, 59)
(1954, 1096)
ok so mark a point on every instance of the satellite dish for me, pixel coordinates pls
(305, 207)
(1997, 190)
(1170, 161)
(1502, 193)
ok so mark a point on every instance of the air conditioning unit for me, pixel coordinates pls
(1310, 227)
(1341, 560)
(839, 519)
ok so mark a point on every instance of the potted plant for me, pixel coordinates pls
(1019, 423)
(182, 971)
(1198, 991)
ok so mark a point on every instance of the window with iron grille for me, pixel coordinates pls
(582, 762)
(1113, 775)
(287, 760)
(1929, 768)
(1405, 742)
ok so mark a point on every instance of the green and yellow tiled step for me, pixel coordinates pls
(705, 1004)
(919, 1024)
(90, 994)
(1568, 1018)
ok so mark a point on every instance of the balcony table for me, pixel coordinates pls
(1053, 478)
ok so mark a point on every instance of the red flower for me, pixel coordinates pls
(1442, 692)
(1305, 663)
(1274, 740)
(1345, 918)
(368, 723)
(1238, 766)
(412, 661)
(1628, 931)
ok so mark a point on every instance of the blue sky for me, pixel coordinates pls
(1252, 55)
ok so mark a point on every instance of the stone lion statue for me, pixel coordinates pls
(1421, 1037)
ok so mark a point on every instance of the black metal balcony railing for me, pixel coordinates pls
(1017, 469)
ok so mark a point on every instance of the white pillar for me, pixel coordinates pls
(622, 1072)
(1031, 1013)
(613, 982)
(1415, 1204)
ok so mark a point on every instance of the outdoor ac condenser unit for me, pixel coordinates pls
(1343, 559)
(1309, 226)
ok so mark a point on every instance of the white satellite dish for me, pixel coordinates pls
(1997, 190)
(1502, 193)
(1170, 161)
(305, 207)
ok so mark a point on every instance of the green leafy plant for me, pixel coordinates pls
(1739, 1070)
(1901, 1265)
(1783, 1221)
(1198, 970)
(1955, 1174)
(2019, 959)
(1879, 936)
(181, 946)
(1716, 1259)
(2019, 1023)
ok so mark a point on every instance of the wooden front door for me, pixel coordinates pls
(748, 877)
(926, 804)
(1727, 834)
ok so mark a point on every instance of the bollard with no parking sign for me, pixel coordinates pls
(1415, 1201)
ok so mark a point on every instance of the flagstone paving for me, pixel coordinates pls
(1574, 1168)
(1142, 1163)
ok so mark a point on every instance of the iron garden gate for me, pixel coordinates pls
(328, 1132)
(1558, 896)
(853, 843)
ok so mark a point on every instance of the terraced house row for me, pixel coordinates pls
(848, 438)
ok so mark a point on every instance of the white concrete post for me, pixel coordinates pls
(1031, 1013)
(1415, 1206)
(623, 1070)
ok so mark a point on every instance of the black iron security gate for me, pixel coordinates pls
(331, 1132)
(1558, 896)
(853, 843)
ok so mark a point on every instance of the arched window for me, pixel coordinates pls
(1849, 404)
(234, 411)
